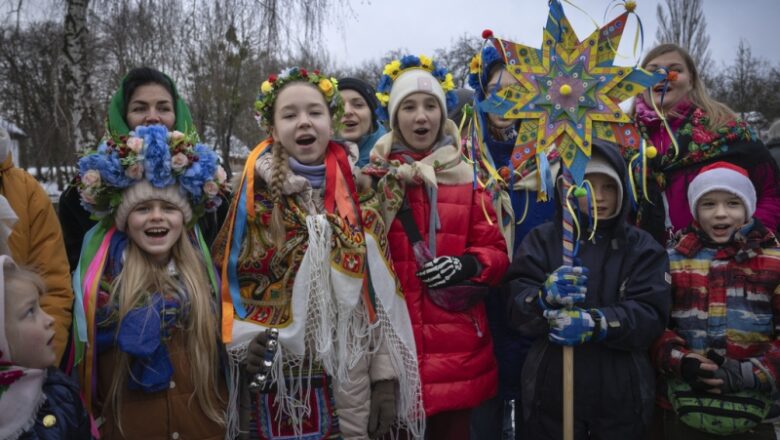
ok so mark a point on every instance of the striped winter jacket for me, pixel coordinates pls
(726, 298)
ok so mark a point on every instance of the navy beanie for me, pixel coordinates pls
(366, 91)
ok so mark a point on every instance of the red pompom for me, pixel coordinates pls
(271, 78)
(316, 72)
(304, 73)
(487, 33)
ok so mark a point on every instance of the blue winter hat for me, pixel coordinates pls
(481, 65)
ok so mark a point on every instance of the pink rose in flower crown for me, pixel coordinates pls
(88, 194)
(135, 144)
(135, 171)
(179, 161)
(221, 175)
(211, 188)
(91, 178)
(176, 136)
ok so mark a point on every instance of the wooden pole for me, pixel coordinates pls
(568, 351)
(568, 393)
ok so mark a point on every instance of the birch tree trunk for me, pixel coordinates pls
(75, 74)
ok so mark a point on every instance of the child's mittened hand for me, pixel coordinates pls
(736, 375)
(699, 373)
(383, 409)
(565, 287)
(573, 326)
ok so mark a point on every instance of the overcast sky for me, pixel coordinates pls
(422, 26)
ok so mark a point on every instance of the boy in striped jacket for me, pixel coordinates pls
(723, 333)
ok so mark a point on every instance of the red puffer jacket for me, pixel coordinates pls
(455, 350)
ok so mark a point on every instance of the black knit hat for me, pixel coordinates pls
(366, 91)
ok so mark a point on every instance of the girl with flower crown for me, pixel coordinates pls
(146, 327)
(689, 129)
(424, 179)
(145, 96)
(317, 329)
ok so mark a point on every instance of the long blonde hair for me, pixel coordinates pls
(718, 113)
(133, 286)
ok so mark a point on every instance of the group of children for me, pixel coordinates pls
(345, 302)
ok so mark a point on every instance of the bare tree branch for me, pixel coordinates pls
(684, 24)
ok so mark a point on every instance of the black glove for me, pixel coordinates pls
(690, 369)
(383, 409)
(736, 375)
(260, 358)
(256, 353)
(447, 271)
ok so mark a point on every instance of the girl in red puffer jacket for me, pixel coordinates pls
(420, 167)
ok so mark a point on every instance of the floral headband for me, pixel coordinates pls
(479, 68)
(153, 154)
(269, 90)
(395, 68)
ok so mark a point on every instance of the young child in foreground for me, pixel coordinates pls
(611, 304)
(720, 352)
(37, 401)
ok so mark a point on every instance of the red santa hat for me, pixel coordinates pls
(723, 176)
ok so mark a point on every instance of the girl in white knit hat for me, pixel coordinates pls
(146, 326)
(428, 188)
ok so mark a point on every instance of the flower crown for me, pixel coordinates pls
(395, 68)
(479, 68)
(153, 154)
(269, 90)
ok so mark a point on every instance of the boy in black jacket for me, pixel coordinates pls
(611, 305)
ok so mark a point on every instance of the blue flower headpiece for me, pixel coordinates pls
(150, 153)
(479, 69)
(395, 68)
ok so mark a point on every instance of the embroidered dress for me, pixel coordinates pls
(331, 292)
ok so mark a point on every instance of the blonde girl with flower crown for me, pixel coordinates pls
(146, 331)
(317, 330)
(427, 186)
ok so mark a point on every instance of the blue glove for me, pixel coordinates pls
(575, 326)
(565, 287)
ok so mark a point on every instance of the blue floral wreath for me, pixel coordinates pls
(150, 153)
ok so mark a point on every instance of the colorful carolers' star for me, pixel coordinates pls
(568, 91)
